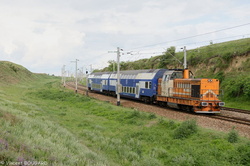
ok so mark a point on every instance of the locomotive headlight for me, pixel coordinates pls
(204, 104)
(221, 104)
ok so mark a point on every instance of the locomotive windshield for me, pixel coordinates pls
(176, 75)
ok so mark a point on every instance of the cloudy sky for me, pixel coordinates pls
(44, 35)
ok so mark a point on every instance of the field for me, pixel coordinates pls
(43, 122)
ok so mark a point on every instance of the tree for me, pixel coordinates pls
(166, 56)
(112, 65)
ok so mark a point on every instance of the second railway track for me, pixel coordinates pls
(236, 110)
(231, 119)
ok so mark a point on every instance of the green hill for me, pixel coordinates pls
(228, 61)
(11, 73)
(218, 56)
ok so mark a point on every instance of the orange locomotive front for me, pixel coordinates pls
(198, 95)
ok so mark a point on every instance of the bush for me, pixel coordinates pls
(233, 136)
(245, 154)
(241, 155)
(220, 76)
(237, 86)
(186, 129)
(151, 116)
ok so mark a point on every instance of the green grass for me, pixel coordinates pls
(41, 121)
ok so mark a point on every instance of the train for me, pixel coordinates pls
(175, 88)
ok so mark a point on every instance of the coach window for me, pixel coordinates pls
(150, 85)
(146, 85)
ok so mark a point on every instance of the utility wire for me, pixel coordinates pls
(137, 54)
(192, 36)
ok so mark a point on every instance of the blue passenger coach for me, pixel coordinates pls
(99, 81)
(136, 84)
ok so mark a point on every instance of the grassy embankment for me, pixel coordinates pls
(41, 121)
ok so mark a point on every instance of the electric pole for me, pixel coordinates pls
(87, 83)
(76, 74)
(118, 77)
(90, 69)
(64, 72)
(185, 57)
(118, 85)
(185, 71)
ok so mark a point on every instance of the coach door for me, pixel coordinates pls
(137, 90)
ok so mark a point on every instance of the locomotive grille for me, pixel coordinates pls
(195, 91)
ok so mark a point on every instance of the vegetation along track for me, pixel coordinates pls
(238, 120)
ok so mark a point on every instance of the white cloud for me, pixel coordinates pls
(43, 35)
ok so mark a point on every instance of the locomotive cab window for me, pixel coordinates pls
(176, 75)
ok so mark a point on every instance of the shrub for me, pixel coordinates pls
(238, 86)
(220, 76)
(242, 155)
(186, 129)
(233, 136)
(151, 116)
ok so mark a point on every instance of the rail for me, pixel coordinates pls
(231, 119)
(236, 110)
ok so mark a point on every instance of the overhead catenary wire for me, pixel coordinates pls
(214, 49)
(139, 54)
(189, 37)
(133, 57)
(188, 44)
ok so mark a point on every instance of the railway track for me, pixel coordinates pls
(219, 117)
(236, 110)
(231, 119)
(79, 87)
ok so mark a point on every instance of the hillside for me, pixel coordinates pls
(11, 73)
(218, 55)
(229, 62)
